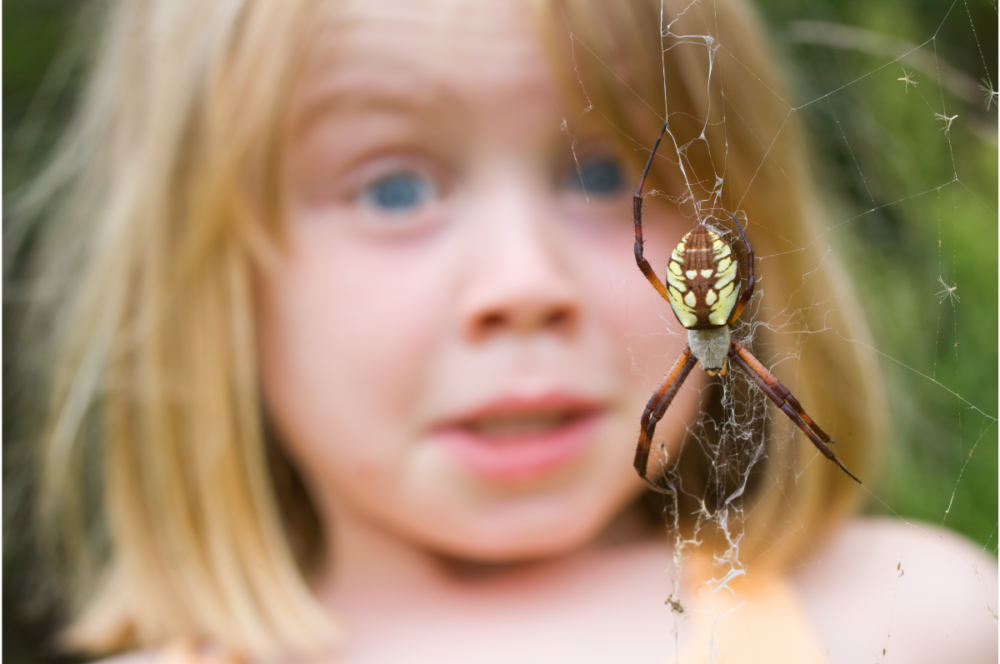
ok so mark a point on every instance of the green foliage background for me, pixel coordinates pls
(911, 206)
(916, 206)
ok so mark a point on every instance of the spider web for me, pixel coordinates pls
(904, 131)
(905, 136)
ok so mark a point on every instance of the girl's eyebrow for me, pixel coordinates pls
(364, 91)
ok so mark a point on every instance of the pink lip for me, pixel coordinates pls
(516, 457)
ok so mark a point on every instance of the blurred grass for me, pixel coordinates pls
(911, 205)
(34, 35)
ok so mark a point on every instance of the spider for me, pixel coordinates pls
(704, 292)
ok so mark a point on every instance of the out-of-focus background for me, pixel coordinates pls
(897, 97)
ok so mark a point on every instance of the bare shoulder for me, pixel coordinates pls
(916, 591)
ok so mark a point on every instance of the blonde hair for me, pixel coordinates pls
(153, 343)
(164, 199)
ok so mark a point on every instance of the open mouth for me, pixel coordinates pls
(517, 441)
(521, 426)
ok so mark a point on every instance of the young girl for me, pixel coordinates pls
(351, 350)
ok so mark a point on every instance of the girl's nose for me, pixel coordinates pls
(520, 278)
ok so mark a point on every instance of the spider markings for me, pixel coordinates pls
(701, 289)
(701, 280)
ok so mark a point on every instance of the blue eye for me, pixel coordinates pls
(599, 177)
(399, 193)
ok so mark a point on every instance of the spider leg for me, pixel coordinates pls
(779, 389)
(643, 264)
(748, 291)
(782, 398)
(657, 406)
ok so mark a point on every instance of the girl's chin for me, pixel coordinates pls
(534, 524)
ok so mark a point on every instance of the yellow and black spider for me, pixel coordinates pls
(702, 289)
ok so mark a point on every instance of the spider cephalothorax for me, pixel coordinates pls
(703, 289)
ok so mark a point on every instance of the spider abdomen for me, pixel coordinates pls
(702, 280)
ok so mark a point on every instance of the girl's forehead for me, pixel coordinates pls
(435, 38)
(424, 53)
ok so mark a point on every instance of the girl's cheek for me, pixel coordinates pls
(346, 333)
(642, 329)
(617, 286)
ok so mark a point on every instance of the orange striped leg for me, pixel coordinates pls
(657, 406)
(779, 389)
(782, 398)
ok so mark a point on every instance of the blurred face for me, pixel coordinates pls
(458, 345)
